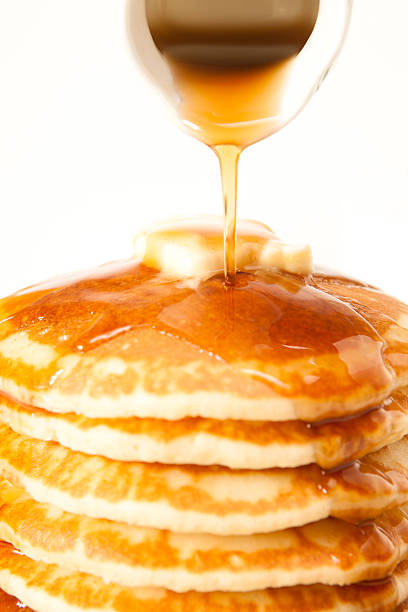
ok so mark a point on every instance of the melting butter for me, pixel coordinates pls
(194, 248)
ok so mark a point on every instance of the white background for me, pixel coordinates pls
(87, 153)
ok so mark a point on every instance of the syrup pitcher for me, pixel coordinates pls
(236, 71)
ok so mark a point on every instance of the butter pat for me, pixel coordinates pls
(194, 248)
(291, 258)
(177, 256)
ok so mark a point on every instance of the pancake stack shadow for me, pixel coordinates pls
(144, 472)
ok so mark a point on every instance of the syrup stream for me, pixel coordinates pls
(228, 156)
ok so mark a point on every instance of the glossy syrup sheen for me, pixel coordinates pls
(264, 318)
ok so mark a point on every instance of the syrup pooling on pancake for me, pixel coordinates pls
(291, 337)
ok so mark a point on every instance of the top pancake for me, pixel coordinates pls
(121, 341)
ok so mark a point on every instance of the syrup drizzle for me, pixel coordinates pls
(228, 156)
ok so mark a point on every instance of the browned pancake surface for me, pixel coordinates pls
(204, 499)
(57, 589)
(331, 346)
(236, 444)
(330, 551)
(8, 603)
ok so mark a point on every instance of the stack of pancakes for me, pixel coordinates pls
(181, 449)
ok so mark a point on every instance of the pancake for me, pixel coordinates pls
(11, 604)
(48, 588)
(235, 444)
(120, 341)
(197, 499)
(330, 552)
